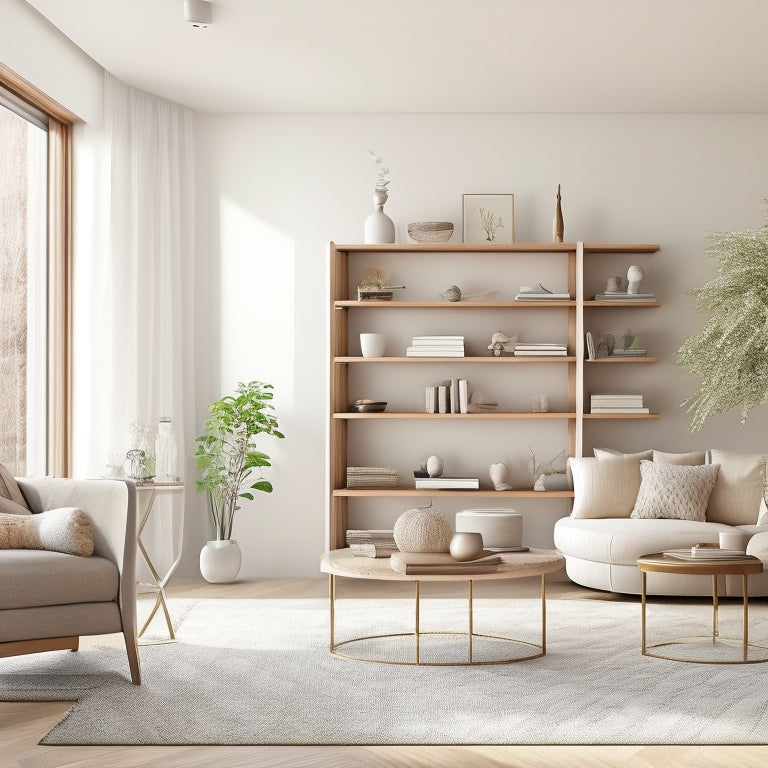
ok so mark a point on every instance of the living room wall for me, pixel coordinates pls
(274, 190)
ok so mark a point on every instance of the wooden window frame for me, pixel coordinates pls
(59, 269)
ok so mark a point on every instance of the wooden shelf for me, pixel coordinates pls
(592, 303)
(526, 304)
(498, 247)
(480, 493)
(488, 359)
(484, 416)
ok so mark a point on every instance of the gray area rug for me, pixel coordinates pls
(256, 672)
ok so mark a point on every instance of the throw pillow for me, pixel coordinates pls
(692, 458)
(739, 488)
(672, 491)
(601, 453)
(65, 530)
(12, 501)
(605, 487)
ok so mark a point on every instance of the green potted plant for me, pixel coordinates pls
(228, 458)
(730, 353)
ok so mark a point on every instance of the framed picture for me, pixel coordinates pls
(488, 218)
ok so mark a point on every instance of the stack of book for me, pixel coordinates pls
(707, 553)
(371, 477)
(445, 482)
(366, 293)
(543, 349)
(540, 293)
(450, 397)
(617, 404)
(442, 562)
(630, 352)
(624, 296)
(371, 543)
(436, 346)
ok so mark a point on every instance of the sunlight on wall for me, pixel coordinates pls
(257, 303)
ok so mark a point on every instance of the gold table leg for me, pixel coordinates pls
(745, 616)
(642, 614)
(543, 614)
(469, 615)
(715, 627)
(416, 624)
(332, 604)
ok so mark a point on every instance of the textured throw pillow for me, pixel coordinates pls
(679, 492)
(65, 530)
(605, 487)
(739, 488)
(601, 453)
(692, 458)
(12, 501)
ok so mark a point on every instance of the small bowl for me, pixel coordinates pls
(370, 407)
(430, 231)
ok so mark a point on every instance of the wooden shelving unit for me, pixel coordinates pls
(344, 258)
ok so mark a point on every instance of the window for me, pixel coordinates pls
(35, 274)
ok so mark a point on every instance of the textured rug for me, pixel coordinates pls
(259, 672)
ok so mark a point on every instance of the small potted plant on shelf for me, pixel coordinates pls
(227, 457)
(729, 353)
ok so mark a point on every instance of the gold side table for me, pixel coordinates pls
(147, 493)
(535, 562)
(661, 563)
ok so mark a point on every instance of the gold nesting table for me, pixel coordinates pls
(661, 563)
(514, 565)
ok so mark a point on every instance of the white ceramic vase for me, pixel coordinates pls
(379, 228)
(220, 561)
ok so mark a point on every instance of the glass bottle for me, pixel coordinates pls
(166, 452)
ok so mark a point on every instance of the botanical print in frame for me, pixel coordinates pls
(488, 218)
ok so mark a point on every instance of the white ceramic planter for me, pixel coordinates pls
(220, 561)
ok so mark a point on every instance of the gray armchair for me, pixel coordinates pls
(49, 599)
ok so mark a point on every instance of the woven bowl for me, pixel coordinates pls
(430, 231)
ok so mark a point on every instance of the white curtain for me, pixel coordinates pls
(134, 240)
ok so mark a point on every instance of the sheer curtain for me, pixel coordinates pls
(134, 236)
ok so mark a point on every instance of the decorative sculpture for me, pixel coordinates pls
(634, 278)
(558, 228)
(498, 473)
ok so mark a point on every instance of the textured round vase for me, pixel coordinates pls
(379, 228)
(422, 529)
(220, 561)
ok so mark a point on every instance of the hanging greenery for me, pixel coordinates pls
(730, 354)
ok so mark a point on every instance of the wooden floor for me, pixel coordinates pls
(23, 724)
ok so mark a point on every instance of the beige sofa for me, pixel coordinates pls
(48, 599)
(629, 505)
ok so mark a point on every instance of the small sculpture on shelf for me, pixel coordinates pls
(605, 345)
(613, 285)
(502, 344)
(452, 293)
(558, 227)
(433, 466)
(634, 278)
(498, 473)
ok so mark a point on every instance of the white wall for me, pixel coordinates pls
(274, 190)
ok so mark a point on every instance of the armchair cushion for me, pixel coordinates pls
(65, 530)
(38, 578)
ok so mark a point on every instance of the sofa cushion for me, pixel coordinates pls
(736, 497)
(622, 540)
(12, 501)
(61, 530)
(691, 458)
(31, 578)
(606, 486)
(674, 491)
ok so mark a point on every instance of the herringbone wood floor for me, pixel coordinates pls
(22, 724)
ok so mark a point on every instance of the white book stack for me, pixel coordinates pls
(450, 397)
(624, 296)
(543, 349)
(446, 482)
(436, 346)
(617, 404)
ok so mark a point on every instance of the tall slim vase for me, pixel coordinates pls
(379, 228)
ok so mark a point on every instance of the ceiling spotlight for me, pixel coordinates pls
(197, 13)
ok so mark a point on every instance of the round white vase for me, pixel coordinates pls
(220, 561)
(379, 228)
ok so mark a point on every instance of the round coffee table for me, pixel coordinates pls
(514, 565)
(743, 566)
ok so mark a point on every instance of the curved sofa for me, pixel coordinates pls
(627, 505)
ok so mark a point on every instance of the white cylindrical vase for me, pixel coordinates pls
(220, 561)
(379, 228)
